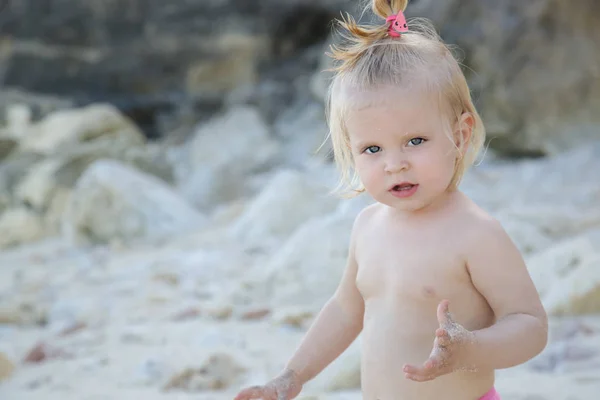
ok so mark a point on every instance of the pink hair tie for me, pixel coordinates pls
(398, 24)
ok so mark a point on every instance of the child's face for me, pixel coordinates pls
(401, 152)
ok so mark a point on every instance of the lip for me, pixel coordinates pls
(401, 184)
(403, 193)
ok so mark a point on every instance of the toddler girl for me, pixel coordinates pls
(404, 129)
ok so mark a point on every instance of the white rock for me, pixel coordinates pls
(308, 268)
(150, 371)
(77, 125)
(558, 194)
(37, 186)
(304, 134)
(55, 209)
(579, 293)
(321, 79)
(557, 220)
(20, 225)
(218, 372)
(6, 367)
(577, 290)
(93, 363)
(527, 236)
(211, 185)
(288, 200)
(564, 357)
(23, 311)
(238, 142)
(71, 311)
(240, 138)
(294, 316)
(112, 202)
(567, 275)
(553, 265)
(18, 119)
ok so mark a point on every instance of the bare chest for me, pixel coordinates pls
(411, 266)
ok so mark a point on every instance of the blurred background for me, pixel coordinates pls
(166, 226)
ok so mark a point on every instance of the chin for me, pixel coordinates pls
(405, 205)
(414, 203)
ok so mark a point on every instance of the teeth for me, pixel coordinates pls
(403, 187)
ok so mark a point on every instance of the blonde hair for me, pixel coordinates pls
(371, 58)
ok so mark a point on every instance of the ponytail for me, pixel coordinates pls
(385, 8)
(359, 38)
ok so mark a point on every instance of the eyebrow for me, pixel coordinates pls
(417, 133)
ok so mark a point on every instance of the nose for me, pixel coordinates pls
(396, 163)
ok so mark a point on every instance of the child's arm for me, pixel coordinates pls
(499, 273)
(334, 329)
(339, 322)
(521, 329)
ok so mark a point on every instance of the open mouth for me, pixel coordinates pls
(404, 190)
(403, 187)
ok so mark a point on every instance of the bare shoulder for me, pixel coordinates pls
(365, 216)
(480, 227)
(484, 238)
(363, 221)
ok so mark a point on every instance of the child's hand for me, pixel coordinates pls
(284, 387)
(450, 347)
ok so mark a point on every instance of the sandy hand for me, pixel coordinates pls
(283, 387)
(451, 344)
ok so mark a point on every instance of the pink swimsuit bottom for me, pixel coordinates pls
(491, 395)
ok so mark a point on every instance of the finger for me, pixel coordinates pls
(419, 378)
(410, 369)
(442, 338)
(424, 370)
(253, 392)
(443, 313)
(430, 364)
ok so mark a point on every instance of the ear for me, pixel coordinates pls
(464, 130)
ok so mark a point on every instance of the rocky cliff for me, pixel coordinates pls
(534, 66)
(151, 57)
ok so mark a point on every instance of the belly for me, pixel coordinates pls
(395, 335)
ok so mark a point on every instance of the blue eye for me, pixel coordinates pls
(416, 141)
(372, 149)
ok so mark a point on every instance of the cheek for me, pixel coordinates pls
(437, 164)
(368, 170)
